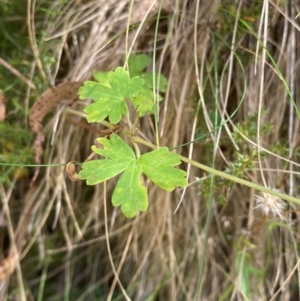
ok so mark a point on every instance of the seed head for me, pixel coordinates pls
(269, 203)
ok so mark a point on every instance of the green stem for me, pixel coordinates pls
(137, 150)
(225, 175)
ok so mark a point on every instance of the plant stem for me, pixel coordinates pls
(226, 175)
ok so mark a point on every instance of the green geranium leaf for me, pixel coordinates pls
(148, 77)
(143, 102)
(114, 148)
(110, 97)
(118, 157)
(101, 77)
(137, 64)
(130, 192)
(158, 166)
(98, 171)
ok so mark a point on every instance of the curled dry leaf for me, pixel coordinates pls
(71, 170)
(7, 266)
(2, 106)
(44, 105)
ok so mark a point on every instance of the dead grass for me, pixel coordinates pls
(158, 255)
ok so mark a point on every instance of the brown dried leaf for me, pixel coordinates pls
(44, 105)
(2, 106)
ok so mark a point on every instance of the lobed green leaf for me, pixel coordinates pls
(130, 193)
(98, 171)
(119, 155)
(114, 148)
(162, 84)
(110, 97)
(143, 102)
(137, 64)
(158, 166)
(101, 77)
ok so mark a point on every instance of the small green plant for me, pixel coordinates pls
(110, 95)
(112, 92)
(130, 192)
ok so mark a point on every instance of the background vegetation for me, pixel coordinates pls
(231, 103)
